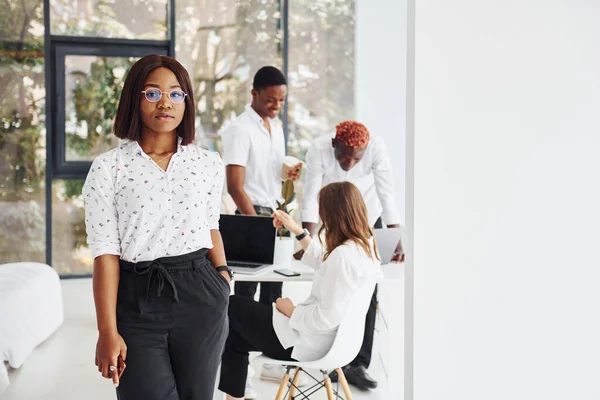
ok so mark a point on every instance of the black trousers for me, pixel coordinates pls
(172, 314)
(364, 355)
(269, 291)
(250, 329)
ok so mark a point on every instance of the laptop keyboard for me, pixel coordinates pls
(243, 265)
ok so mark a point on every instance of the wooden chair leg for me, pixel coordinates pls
(294, 383)
(329, 389)
(282, 386)
(344, 383)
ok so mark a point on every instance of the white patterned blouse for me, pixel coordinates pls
(138, 211)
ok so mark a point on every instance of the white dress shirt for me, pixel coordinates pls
(372, 175)
(246, 142)
(138, 211)
(314, 322)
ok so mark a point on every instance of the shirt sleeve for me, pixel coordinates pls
(313, 255)
(342, 282)
(213, 209)
(312, 185)
(384, 183)
(101, 217)
(236, 146)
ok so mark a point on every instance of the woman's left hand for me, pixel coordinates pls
(285, 306)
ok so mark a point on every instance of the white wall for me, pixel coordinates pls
(380, 101)
(507, 200)
(380, 78)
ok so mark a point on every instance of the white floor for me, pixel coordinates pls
(63, 367)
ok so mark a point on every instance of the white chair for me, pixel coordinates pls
(344, 349)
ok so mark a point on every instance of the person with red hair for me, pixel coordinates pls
(353, 155)
(351, 134)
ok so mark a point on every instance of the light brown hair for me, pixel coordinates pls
(344, 217)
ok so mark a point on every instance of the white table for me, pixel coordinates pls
(391, 272)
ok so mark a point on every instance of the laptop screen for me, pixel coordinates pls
(387, 240)
(248, 238)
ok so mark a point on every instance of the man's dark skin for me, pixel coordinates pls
(348, 157)
(267, 103)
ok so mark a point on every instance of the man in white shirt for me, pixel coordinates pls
(354, 156)
(253, 152)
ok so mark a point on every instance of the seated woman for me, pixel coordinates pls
(305, 332)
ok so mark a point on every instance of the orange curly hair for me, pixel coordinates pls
(352, 134)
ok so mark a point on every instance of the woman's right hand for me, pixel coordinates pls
(109, 347)
(283, 219)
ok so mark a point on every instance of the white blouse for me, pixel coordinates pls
(138, 211)
(314, 322)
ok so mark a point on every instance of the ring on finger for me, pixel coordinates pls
(112, 368)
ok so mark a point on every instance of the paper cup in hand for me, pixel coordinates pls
(289, 163)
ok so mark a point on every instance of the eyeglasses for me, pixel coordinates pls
(154, 95)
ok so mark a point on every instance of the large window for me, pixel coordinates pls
(87, 79)
(92, 86)
(70, 252)
(92, 45)
(222, 44)
(320, 71)
(66, 73)
(22, 132)
(126, 19)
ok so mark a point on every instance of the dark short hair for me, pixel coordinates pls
(268, 76)
(128, 124)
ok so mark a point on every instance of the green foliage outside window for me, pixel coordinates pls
(95, 100)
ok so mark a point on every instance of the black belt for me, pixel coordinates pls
(158, 271)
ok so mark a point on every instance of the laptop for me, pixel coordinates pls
(249, 242)
(387, 239)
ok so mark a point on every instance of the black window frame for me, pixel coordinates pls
(61, 168)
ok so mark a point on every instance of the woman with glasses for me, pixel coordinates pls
(161, 285)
